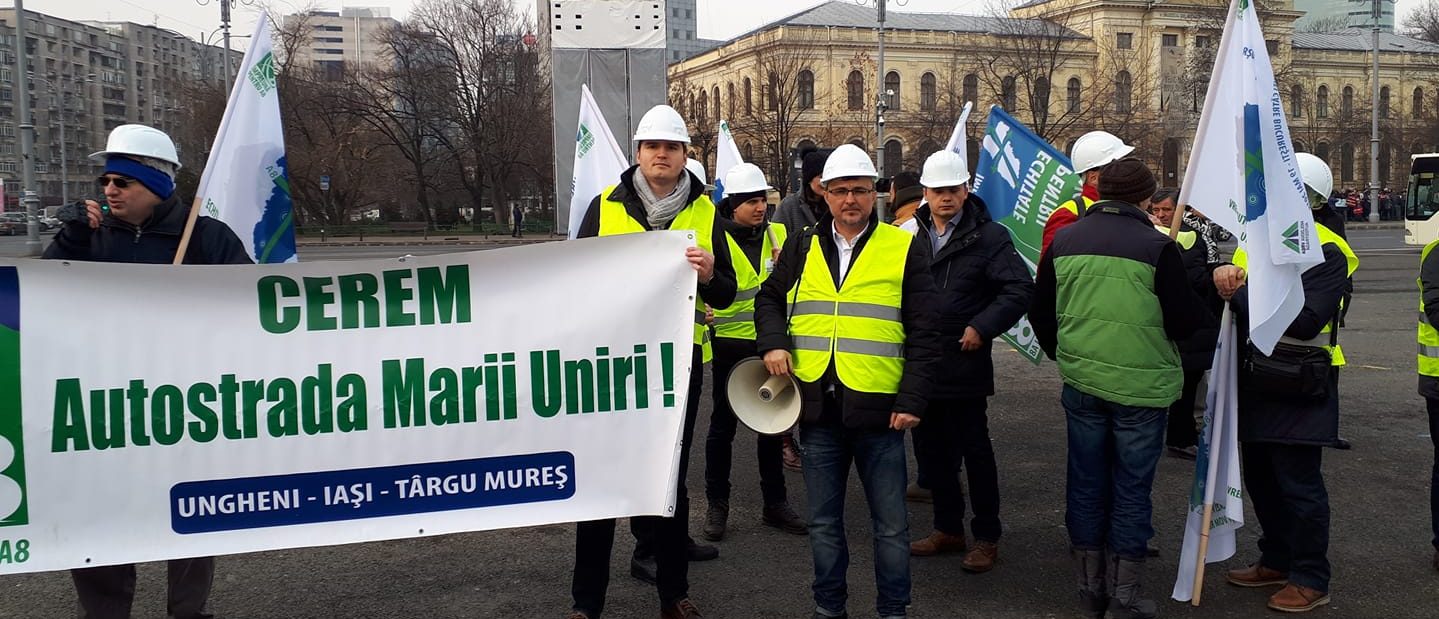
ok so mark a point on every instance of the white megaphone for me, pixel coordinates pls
(767, 404)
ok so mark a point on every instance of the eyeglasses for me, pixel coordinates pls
(120, 182)
(844, 192)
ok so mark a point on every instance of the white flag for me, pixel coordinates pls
(1216, 469)
(245, 183)
(599, 161)
(726, 158)
(958, 138)
(1243, 175)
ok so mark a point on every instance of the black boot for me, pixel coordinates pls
(716, 517)
(1089, 573)
(1125, 601)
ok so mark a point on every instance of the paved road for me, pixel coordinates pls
(1379, 494)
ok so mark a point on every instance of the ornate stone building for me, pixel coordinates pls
(1137, 68)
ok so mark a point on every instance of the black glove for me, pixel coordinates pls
(73, 213)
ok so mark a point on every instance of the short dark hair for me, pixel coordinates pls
(1167, 193)
(903, 180)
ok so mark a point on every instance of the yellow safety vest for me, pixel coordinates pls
(858, 326)
(1428, 335)
(1185, 238)
(1326, 236)
(1073, 205)
(699, 216)
(737, 320)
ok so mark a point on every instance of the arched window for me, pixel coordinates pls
(1321, 150)
(1321, 102)
(1073, 94)
(1386, 160)
(702, 106)
(971, 88)
(805, 144)
(1384, 103)
(860, 143)
(1346, 104)
(730, 88)
(716, 103)
(806, 89)
(928, 147)
(1040, 104)
(1007, 94)
(893, 156)
(892, 92)
(1296, 101)
(748, 98)
(1346, 162)
(772, 95)
(854, 88)
(749, 151)
(1416, 107)
(927, 92)
(1299, 146)
(1123, 92)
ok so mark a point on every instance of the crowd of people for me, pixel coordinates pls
(1355, 204)
(888, 329)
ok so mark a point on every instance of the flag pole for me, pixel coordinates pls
(189, 230)
(1216, 430)
(1176, 221)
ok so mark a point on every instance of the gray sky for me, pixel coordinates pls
(718, 19)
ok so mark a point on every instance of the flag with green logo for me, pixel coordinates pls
(598, 159)
(1243, 175)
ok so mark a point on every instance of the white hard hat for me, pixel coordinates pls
(1316, 174)
(745, 178)
(664, 124)
(945, 168)
(696, 168)
(140, 141)
(1095, 149)
(847, 161)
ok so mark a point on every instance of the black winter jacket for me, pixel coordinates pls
(1281, 419)
(719, 292)
(982, 283)
(861, 410)
(1196, 352)
(153, 242)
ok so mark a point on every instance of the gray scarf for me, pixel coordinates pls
(661, 211)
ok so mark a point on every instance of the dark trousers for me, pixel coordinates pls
(1286, 485)
(955, 432)
(719, 444)
(107, 592)
(665, 538)
(1183, 430)
(1434, 482)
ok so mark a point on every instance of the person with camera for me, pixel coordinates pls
(1288, 414)
(141, 222)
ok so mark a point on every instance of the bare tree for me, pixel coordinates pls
(1028, 65)
(1329, 23)
(1423, 21)
(781, 102)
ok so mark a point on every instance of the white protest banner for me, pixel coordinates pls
(245, 183)
(1243, 175)
(240, 408)
(1217, 492)
(598, 159)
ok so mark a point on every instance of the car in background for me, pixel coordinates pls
(12, 224)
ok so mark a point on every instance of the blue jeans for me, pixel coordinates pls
(827, 451)
(1113, 452)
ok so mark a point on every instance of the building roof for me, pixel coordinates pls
(1359, 40)
(843, 14)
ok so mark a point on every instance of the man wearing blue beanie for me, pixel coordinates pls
(141, 222)
(142, 218)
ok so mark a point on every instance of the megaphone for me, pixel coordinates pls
(767, 404)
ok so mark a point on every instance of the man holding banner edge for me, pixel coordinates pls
(658, 193)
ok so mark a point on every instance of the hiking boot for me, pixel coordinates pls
(938, 542)
(981, 557)
(695, 551)
(1126, 599)
(789, 454)
(916, 494)
(643, 570)
(1297, 599)
(715, 518)
(781, 516)
(1089, 573)
(683, 609)
(1256, 576)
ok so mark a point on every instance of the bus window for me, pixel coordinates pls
(1423, 201)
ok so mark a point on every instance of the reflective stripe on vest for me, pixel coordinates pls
(699, 216)
(1073, 205)
(737, 320)
(858, 326)
(1351, 264)
(1185, 238)
(1428, 335)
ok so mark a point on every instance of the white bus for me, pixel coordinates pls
(1421, 207)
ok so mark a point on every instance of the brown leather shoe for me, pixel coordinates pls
(1296, 599)
(788, 454)
(938, 542)
(981, 557)
(1257, 576)
(683, 609)
(575, 614)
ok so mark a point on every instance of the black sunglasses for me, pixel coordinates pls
(120, 182)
